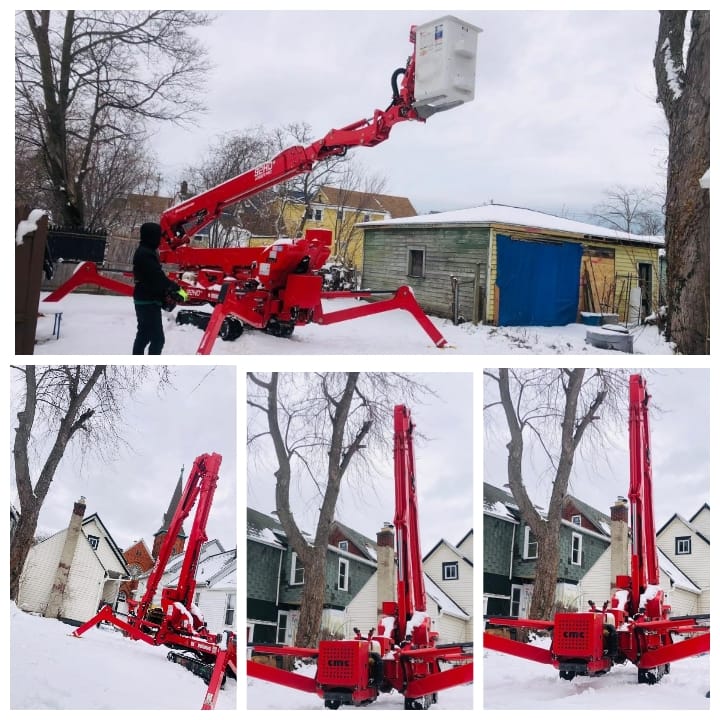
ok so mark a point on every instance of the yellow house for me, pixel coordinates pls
(340, 211)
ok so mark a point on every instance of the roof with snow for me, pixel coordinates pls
(211, 547)
(678, 579)
(492, 214)
(216, 571)
(446, 604)
(499, 504)
(265, 529)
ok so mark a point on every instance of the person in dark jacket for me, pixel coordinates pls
(152, 288)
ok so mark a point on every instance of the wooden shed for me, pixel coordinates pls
(514, 266)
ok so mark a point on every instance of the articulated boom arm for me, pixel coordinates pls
(201, 483)
(410, 582)
(644, 561)
(181, 222)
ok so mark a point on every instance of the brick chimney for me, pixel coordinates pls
(55, 601)
(385, 567)
(619, 555)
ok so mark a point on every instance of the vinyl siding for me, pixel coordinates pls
(460, 590)
(85, 580)
(696, 565)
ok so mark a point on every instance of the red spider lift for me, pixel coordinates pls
(279, 287)
(635, 625)
(403, 654)
(177, 622)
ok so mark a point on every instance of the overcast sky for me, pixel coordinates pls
(165, 433)
(443, 464)
(564, 106)
(680, 443)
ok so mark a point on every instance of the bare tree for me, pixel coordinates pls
(319, 426)
(228, 157)
(60, 405)
(356, 196)
(683, 85)
(86, 79)
(631, 210)
(554, 409)
(304, 188)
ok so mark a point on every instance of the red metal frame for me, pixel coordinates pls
(180, 626)
(635, 625)
(404, 647)
(279, 284)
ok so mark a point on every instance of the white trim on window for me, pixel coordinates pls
(343, 574)
(576, 549)
(297, 571)
(530, 547)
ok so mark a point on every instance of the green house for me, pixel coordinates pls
(504, 265)
(510, 552)
(276, 579)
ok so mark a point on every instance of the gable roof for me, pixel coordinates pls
(364, 544)
(599, 519)
(451, 547)
(394, 205)
(493, 214)
(687, 524)
(214, 571)
(705, 506)
(113, 545)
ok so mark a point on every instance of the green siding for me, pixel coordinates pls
(359, 574)
(497, 544)
(262, 569)
(460, 251)
(592, 548)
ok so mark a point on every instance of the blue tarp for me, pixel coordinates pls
(539, 282)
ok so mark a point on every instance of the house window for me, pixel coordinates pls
(575, 520)
(343, 574)
(121, 596)
(314, 214)
(576, 555)
(450, 570)
(683, 545)
(530, 546)
(340, 214)
(515, 601)
(94, 541)
(343, 545)
(282, 628)
(416, 262)
(297, 571)
(366, 217)
(230, 609)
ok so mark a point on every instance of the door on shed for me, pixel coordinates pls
(539, 282)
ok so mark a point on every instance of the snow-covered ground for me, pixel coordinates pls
(103, 670)
(542, 689)
(105, 325)
(263, 695)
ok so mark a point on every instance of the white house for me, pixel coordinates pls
(684, 558)
(97, 568)
(687, 543)
(216, 590)
(448, 580)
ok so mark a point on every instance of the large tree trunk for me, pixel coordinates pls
(684, 92)
(20, 546)
(313, 599)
